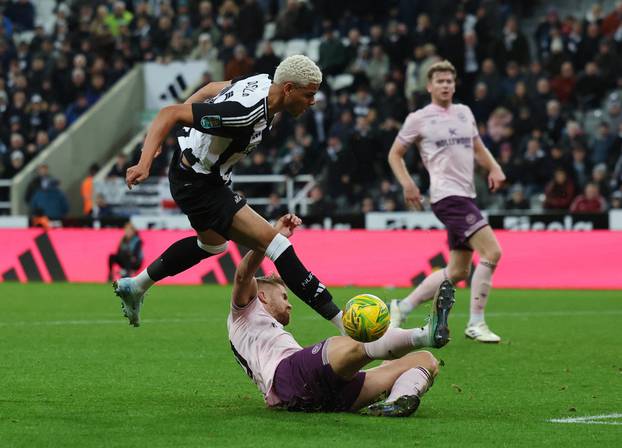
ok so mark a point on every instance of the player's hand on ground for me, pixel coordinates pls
(412, 197)
(495, 179)
(135, 175)
(287, 223)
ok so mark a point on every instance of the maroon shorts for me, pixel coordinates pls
(305, 381)
(462, 219)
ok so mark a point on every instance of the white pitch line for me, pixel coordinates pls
(200, 320)
(589, 420)
(120, 320)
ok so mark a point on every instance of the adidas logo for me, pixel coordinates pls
(175, 89)
(320, 289)
(31, 267)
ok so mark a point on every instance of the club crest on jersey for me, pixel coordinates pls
(211, 121)
(462, 117)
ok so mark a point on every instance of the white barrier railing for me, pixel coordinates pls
(153, 196)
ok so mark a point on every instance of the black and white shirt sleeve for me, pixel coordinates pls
(231, 116)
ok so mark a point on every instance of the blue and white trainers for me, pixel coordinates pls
(438, 327)
(131, 299)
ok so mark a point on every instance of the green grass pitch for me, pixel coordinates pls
(73, 373)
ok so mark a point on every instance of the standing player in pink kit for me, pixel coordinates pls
(448, 141)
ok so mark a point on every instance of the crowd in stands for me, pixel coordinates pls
(548, 104)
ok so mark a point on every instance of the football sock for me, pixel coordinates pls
(302, 282)
(425, 291)
(480, 287)
(396, 343)
(414, 381)
(143, 281)
(180, 255)
(337, 322)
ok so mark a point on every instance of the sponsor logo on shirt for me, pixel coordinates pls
(466, 141)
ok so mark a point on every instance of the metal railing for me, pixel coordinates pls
(292, 198)
(149, 198)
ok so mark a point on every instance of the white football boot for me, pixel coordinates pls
(131, 299)
(480, 332)
(396, 314)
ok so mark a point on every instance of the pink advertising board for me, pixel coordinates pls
(575, 260)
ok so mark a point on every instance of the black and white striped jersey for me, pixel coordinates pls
(227, 127)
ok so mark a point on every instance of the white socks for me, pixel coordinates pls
(143, 281)
(414, 381)
(338, 322)
(396, 343)
(480, 288)
(425, 291)
(277, 246)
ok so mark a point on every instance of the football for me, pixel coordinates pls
(366, 318)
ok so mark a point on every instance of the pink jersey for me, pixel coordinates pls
(445, 141)
(259, 344)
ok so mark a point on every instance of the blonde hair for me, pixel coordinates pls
(272, 280)
(298, 69)
(441, 66)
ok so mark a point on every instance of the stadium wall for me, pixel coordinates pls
(94, 138)
(532, 259)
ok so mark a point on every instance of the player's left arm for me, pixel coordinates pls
(244, 283)
(496, 177)
(209, 90)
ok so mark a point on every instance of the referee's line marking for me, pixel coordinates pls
(589, 420)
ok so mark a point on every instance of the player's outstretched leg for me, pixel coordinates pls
(181, 255)
(400, 309)
(397, 342)
(250, 229)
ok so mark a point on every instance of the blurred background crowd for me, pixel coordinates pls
(547, 98)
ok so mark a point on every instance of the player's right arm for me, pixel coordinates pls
(205, 117)
(244, 283)
(163, 123)
(209, 90)
(406, 136)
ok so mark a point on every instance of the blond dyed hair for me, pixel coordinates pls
(298, 69)
(441, 66)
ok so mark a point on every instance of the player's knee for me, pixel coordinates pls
(213, 249)
(493, 254)
(457, 273)
(429, 362)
